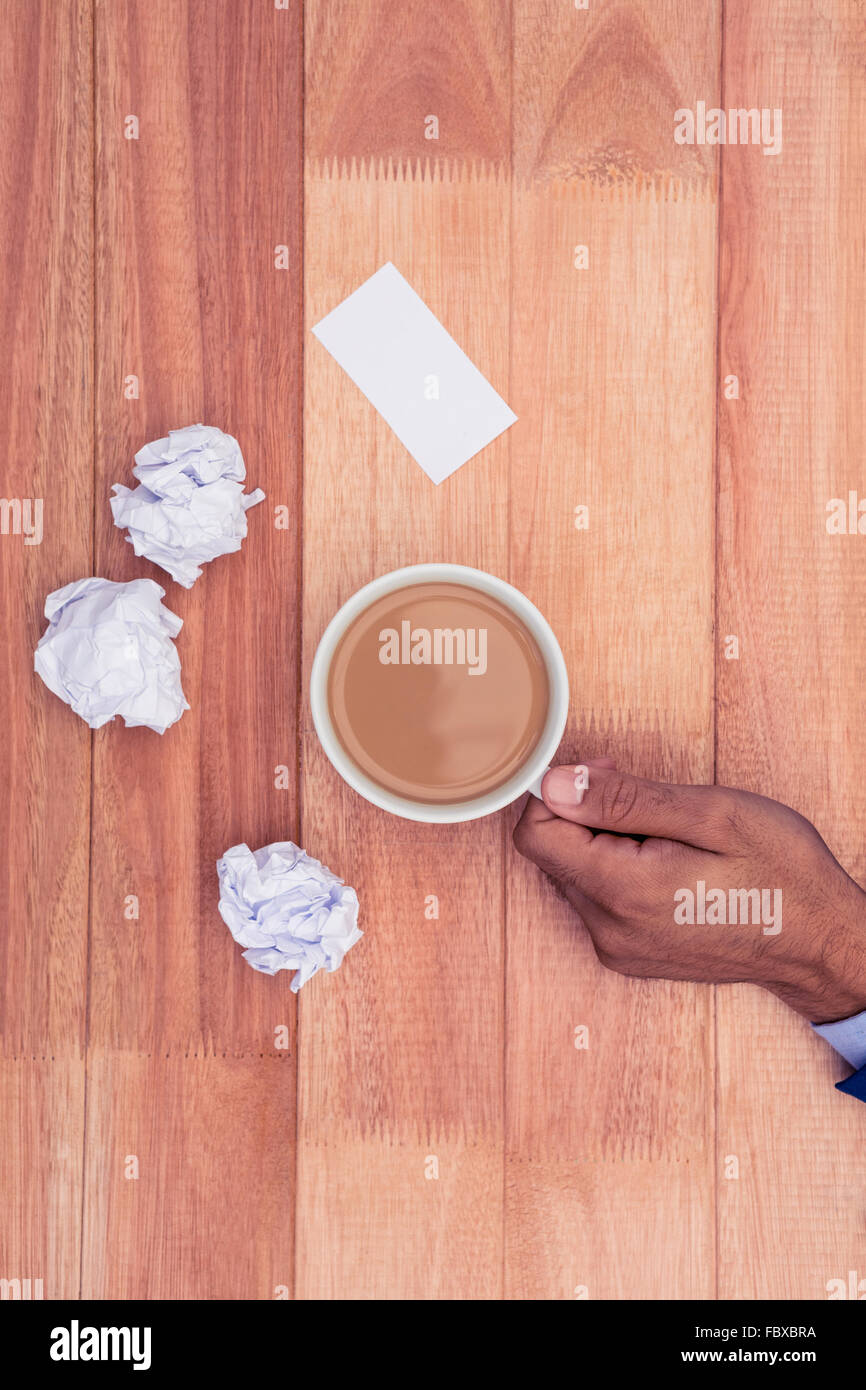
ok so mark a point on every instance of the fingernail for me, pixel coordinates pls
(565, 786)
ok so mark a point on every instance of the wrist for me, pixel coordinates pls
(832, 985)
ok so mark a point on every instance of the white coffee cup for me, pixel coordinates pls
(527, 779)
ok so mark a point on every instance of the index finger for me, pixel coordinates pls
(595, 866)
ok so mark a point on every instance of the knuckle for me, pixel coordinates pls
(619, 797)
(533, 845)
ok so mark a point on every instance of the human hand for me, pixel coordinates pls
(727, 887)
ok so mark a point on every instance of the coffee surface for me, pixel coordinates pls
(438, 692)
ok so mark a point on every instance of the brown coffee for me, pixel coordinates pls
(438, 692)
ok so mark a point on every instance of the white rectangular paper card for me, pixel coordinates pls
(435, 400)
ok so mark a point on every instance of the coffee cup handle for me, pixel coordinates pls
(535, 788)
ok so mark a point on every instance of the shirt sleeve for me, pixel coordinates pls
(848, 1037)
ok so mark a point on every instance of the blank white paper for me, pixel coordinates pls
(435, 400)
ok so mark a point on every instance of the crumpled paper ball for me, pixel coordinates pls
(190, 505)
(291, 911)
(109, 650)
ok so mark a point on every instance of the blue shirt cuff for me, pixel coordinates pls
(848, 1037)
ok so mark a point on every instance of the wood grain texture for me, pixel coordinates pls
(46, 440)
(189, 300)
(46, 394)
(391, 64)
(401, 1060)
(790, 709)
(609, 1146)
(42, 1104)
(206, 1212)
(596, 90)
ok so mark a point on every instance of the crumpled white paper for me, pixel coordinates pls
(291, 911)
(108, 650)
(190, 505)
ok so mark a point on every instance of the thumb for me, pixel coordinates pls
(605, 799)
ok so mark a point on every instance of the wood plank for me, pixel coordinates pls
(391, 64)
(190, 301)
(609, 1150)
(46, 441)
(42, 1104)
(790, 721)
(401, 1052)
(190, 1173)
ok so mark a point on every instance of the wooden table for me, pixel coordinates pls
(421, 1124)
